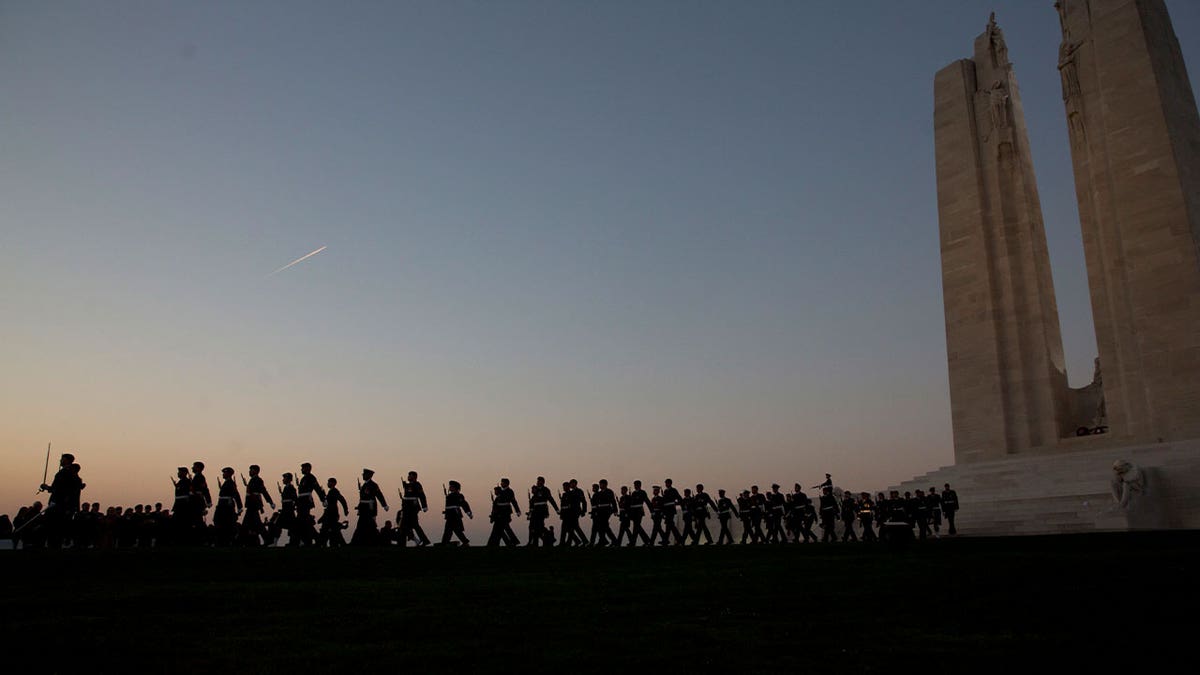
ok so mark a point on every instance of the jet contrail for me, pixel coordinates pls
(300, 259)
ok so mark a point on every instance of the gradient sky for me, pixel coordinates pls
(621, 239)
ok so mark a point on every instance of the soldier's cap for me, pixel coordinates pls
(68, 456)
(368, 472)
(199, 466)
(254, 467)
(182, 468)
(774, 485)
(287, 475)
(228, 469)
(455, 484)
(306, 465)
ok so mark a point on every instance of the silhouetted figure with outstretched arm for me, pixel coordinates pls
(254, 530)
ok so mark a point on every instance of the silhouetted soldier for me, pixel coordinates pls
(827, 483)
(370, 498)
(540, 503)
(671, 501)
(920, 508)
(685, 511)
(638, 503)
(776, 505)
(623, 516)
(253, 528)
(656, 516)
(287, 511)
(829, 515)
(181, 510)
(849, 516)
(725, 511)
(305, 530)
(866, 516)
(701, 502)
(935, 510)
(809, 509)
(758, 509)
(413, 505)
(744, 506)
(896, 528)
(331, 519)
(65, 490)
(229, 507)
(201, 499)
(604, 506)
(504, 505)
(569, 517)
(949, 507)
(456, 506)
(581, 510)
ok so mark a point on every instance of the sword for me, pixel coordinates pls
(45, 471)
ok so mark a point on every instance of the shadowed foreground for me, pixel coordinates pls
(982, 602)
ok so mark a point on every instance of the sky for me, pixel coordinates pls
(628, 240)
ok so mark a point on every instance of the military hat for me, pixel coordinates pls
(287, 476)
(368, 472)
(455, 484)
(68, 456)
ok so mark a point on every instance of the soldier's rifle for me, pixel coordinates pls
(245, 484)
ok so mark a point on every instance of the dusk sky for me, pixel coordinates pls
(576, 239)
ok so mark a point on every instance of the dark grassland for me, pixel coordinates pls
(966, 605)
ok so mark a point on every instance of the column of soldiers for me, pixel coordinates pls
(766, 518)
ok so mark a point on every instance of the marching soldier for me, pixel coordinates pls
(726, 510)
(638, 503)
(776, 505)
(623, 516)
(758, 507)
(701, 501)
(412, 505)
(829, 515)
(866, 516)
(849, 515)
(370, 498)
(827, 483)
(581, 510)
(810, 518)
(181, 510)
(331, 519)
(920, 508)
(503, 506)
(744, 506)
(896, 528)
(569, 516)
(256, 493)
(287, 511)
(306, 524)
(949, 507)
(670, 502)
(540, 503)
(229, 507)
(201, 498)
(456, 506)
(935, 511)
(604, 505)
(685, 509)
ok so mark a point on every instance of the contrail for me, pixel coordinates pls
(300, 259)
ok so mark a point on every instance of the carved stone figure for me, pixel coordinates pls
(999, 48)
(1127, 481)
(998, 104)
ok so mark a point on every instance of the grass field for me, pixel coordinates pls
(975, 604)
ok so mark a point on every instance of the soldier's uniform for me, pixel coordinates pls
(725, 511)
(934, 500)
(638, 501)
(413, 504)
(305, 531)
(758, 508)
(685, 510)
(623, 518)
(849, 515)
(331, 519)
(540, 502)
(287, 512)
(656, 518)
(777, 504)
(829, 516)
(65, 492)
(503, 507)
(950, 507)
(253, 529)
(701, 502)
(604, 505)
(896, 528)
(920, 509)
(370, 498)
(181, 510)
(809, 518)
(569, 516)
(229, 505)
(866, 516)
(456, 506)
(744, 506)
(671, 501)
(201, 500)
